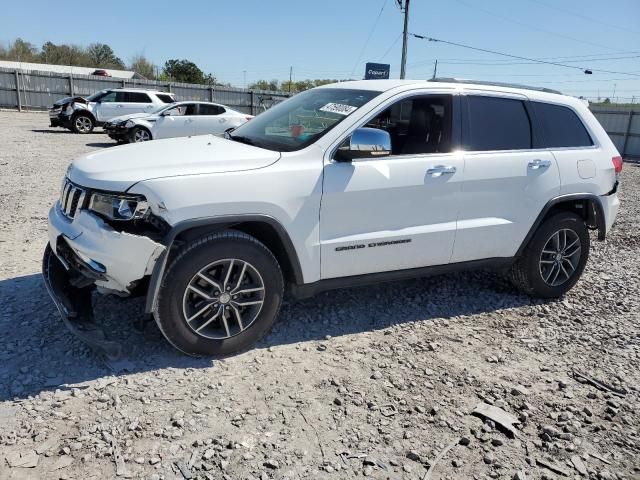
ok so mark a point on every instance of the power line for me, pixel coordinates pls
(557, 64)
(366, 43)
(585, 17)
(391, 46)
(499, 64)
(540, 29)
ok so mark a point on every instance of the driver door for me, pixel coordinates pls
(176, 122)
(107, 107)
(399, 211)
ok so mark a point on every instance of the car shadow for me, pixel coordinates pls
(37, 353)
(104, 144)
(63, 130)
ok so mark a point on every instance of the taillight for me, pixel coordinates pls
(248, 118)
(617, 164)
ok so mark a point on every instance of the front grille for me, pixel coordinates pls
(72, 198)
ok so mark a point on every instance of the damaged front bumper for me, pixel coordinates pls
(85, 253)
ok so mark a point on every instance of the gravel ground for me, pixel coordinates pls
(373, 381)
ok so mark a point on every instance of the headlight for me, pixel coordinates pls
(119, 207)
(129, 124)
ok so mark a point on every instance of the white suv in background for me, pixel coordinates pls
(341, 185)
(181, 119)
(82, 115)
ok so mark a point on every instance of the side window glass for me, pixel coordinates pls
(109, 97)
(164, 98)
(497, 124)
(210, 109)
(561, 126)
(137, 97)
(417, 125)
(182, 110)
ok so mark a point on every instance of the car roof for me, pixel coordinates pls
(439, 84)
(133, 89)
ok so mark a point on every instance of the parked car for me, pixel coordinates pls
(101, 73)
(82, 115)
(341, 185)
(181, 119)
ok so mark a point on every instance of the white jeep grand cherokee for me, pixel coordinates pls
(341, 185)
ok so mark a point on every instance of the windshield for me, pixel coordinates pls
(96, 96)
(302, 119)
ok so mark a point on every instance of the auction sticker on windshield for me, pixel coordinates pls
(338, 108)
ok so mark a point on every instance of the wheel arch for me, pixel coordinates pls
(264, 228)
(84, 111)
(587, 205)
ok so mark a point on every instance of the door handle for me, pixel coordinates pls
(118, 106)
(440, 170)
(538, 164)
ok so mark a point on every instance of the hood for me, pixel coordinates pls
(66, 100)
(118, 168)
(123, 118)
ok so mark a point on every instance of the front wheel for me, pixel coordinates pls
(139, 134)
(220, 295)
(555, 258)
(82, 123)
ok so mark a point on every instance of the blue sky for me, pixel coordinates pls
(255, 39)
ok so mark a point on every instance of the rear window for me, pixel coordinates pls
(165, 98)
(497, 124)
(210, 109)
(561, 126)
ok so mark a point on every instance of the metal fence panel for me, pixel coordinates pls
(38, 90)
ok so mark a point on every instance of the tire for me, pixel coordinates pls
(180, 295)
(540, 272)
(139, 135)
(82, 123)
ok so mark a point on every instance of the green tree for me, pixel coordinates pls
(23, 51)
(183, 71)
(102, 55)
(64, 55)
(142, 66)
(264, 85)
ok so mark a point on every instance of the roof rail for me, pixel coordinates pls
(494, 84)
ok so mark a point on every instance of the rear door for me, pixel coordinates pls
(507, 181)
(210, 119)
(137, 102)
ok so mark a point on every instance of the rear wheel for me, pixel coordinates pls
(220, 295)
(82, 123)
(139, 134)
(555, 258)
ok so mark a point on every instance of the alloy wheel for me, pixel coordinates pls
(223, 299)
(83, 124)
(560, 257)
(141, 136)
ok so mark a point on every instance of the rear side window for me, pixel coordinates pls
(137, 97)
(165, 98)
(210, 109)
(561, 126)
(497, 124)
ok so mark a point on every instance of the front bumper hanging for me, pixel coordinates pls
(71, 292)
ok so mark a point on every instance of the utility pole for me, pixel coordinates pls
(290, 76)
(244, 79)
(405, 36)
(435, 69)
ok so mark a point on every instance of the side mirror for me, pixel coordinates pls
(365, 143)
